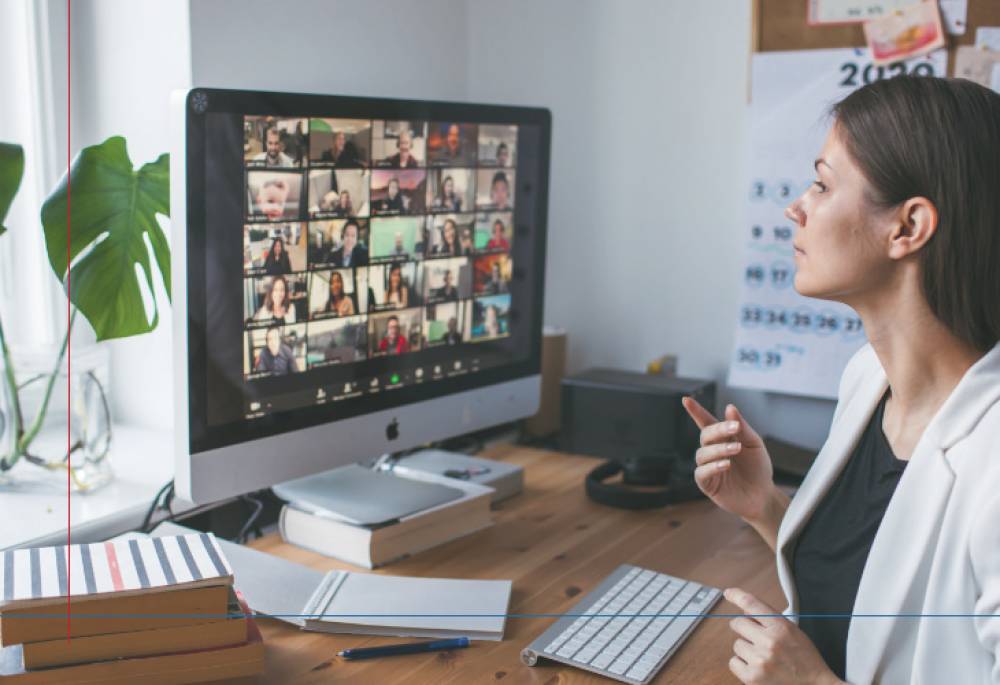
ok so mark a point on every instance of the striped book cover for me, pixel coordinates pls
(40, 575)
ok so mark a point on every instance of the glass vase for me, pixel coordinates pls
(33, 445)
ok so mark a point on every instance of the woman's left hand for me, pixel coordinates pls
(771, 649)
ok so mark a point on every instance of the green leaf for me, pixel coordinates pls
(113, 209)
(11, 171)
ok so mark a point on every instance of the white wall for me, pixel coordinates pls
(350, 47)
(647, 185)
(127, 56)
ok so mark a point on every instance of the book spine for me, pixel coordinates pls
(325, 536)
(397, 554)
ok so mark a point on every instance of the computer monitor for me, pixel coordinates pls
(351, 277)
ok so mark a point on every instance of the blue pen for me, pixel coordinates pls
(413, 648)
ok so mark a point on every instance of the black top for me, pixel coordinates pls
(832, 549)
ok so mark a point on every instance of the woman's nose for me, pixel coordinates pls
(793, 212)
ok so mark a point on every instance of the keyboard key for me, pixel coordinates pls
(619, 667)
(639, 672)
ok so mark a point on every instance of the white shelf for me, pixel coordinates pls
(34, 509)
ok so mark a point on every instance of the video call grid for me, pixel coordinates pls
(442, 285)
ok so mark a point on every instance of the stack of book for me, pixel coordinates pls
(369, 546)
(150, 610)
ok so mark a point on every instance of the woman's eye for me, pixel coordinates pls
(820, 185)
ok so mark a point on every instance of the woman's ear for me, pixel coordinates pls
(916, 222)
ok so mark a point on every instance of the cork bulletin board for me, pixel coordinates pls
(781, 25)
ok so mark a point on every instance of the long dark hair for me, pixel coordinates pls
(331, 304)
(919, 136)
(274, 259)
(388, 281)
(269, 300)
(451, 247)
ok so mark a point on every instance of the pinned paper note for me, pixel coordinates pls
(954, 15)
(954, 12)
(910, 32)
(988, 37)
(977, 64)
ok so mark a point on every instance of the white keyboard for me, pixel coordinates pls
(627, 627)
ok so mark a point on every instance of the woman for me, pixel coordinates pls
(338, 301)
(345, 207)
(449, 239)
(397, 294)
(277, 305)
(898, 516)
(491, 325)
(276, 262)
(447, 200)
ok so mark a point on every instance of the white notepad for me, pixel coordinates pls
(372, 604)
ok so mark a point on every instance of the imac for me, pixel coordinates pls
(352, 277)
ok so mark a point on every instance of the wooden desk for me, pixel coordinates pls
(554, 544)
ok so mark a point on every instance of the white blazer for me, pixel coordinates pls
(937, 550)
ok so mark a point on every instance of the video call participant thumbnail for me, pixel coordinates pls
(394, 286)
(339, 143)
(333, 293)
(447, 280)
(397, 238)
(452, 144)
(339, 243)
(338, 194)
(447, 323)
(495, 189)
(490, 317)
(494, 232)
(396, 333)
(398, 192)
(497, 145)
(337, 341)
(492, 274)
(274, 142)
(451, 190)
(274, 351)
(274, 299)
(399, 144)
(450, 235)
(274, 195)
(273, 249)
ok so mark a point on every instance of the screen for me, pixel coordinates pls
(346, 255)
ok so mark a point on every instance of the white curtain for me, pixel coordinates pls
(33, 78)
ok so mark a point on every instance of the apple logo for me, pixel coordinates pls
(392, 430)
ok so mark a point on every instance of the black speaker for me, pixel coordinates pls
(638, 423)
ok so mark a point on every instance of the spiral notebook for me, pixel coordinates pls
(373, 604)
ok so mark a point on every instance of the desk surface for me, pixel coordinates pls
(554, 544)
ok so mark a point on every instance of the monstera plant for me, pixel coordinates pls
(105, 246)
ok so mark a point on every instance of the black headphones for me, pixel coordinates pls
(671, 472)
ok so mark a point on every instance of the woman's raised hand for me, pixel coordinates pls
(733, 466)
